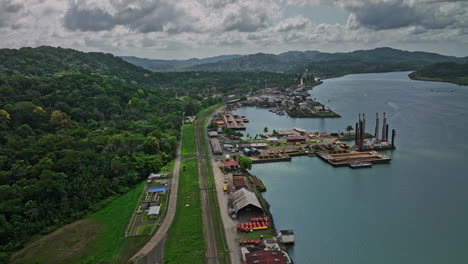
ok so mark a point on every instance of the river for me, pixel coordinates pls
(413, 210)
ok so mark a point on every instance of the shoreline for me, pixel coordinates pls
(442, 80)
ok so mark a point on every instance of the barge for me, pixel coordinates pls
(354, 157)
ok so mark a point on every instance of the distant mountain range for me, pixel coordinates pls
(320, 63)
(174, 65)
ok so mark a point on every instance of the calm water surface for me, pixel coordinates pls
(413, 210)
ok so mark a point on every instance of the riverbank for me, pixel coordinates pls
(450, 72)
(459, 81)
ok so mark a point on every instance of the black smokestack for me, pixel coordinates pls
(393, 137)
(356, 134)
(376, 134)
(362, 134)
(386, 133)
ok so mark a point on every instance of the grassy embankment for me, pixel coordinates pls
(99, 238)
(189, 146)
(185, 243)
(221, 243)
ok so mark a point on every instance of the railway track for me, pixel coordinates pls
(211, 256)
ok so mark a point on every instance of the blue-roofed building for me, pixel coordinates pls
(157, 190)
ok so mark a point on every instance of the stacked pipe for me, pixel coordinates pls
(250, 242)
(257, 223)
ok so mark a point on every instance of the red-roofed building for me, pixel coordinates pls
(231, 165)
(265, 257)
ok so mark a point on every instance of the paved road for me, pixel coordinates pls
(153, 251)
(210, 240)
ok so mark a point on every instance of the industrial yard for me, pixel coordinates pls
(246, 214)
(293, 101)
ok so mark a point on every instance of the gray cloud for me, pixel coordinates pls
(8, 12)
(244, 21)
(155, 16)
(293, 23)
(246, 16)
(384, 15)
(88, 20)
(394, 14)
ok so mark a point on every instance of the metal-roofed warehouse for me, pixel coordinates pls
(215, 146)
(246, 201)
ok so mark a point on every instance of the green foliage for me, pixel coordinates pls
(212, 127)
(245, 163)
(231, 132)
(444, 72)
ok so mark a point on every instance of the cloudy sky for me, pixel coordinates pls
(180, 29)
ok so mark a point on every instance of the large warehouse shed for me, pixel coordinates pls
(215, 146)
(245, 202)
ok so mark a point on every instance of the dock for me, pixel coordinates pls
(354, 158)
(234, 122)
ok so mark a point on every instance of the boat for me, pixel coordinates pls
(300, 130)
(359, 165)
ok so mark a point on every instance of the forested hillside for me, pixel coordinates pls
(76, 128)
(443, 72)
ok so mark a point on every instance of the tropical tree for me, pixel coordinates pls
(245, 163)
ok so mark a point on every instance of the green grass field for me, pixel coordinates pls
(185, 243)
(145, 230)
(99, 238)
(110, 244)
(169, 167)
(189, 147)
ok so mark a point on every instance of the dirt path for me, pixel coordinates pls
(152, 252)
